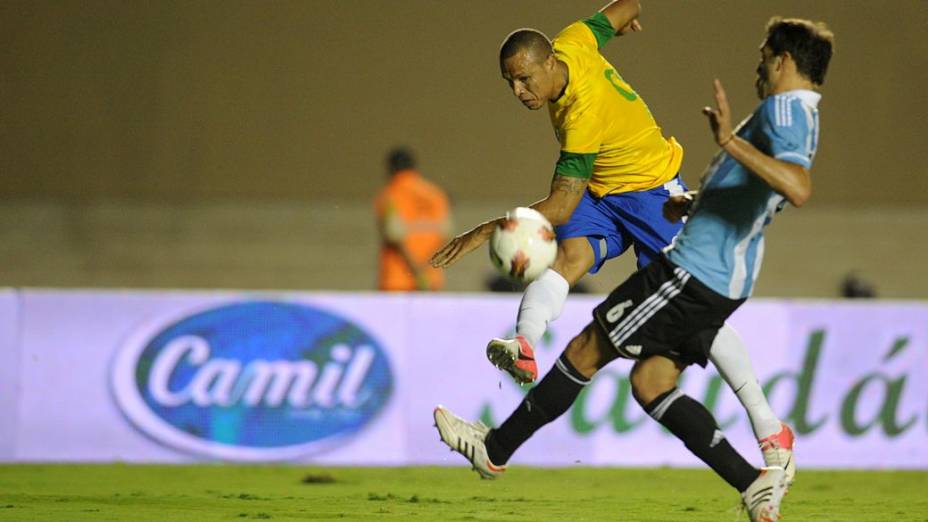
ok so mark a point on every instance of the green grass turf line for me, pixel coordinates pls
(229, 492)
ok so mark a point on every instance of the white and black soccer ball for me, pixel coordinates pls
(523, 245)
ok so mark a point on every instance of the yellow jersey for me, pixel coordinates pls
(605, 129)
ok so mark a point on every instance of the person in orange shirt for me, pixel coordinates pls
(413, 219)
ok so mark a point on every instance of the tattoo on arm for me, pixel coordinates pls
(569, 185)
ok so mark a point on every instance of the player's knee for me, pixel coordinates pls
(574, 259)
(649, 381)
(580, 353)
(585, 352)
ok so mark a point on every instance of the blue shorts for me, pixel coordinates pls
(615, 222)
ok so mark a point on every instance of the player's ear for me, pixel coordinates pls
(782, 59)
(550, 62)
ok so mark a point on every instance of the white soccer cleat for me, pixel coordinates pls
(515, 357)
(467, 438)
(778, 451)
(762, 498)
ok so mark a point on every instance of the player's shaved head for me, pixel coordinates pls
(528, 64)
(534, 42)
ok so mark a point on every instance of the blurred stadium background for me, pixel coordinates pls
(237, 145)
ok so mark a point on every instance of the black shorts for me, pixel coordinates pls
(663, 310)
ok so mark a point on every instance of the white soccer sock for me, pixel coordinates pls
(730, 358)
(542, 303)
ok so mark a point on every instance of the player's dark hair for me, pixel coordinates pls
(809, 43)
(400, 158)
(532, 40)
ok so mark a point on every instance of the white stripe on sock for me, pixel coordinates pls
(661, 408)
(565, 371)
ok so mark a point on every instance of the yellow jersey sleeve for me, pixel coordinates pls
(580, 34)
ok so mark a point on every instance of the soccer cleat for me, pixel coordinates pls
(514, 356)
(778, 451)
(467, 439)
(762, 498)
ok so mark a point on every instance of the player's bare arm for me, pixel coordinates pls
(565, 194)
(789, 179)
(463, 244)
(623, 15)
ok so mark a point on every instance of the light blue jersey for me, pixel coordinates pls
(722, 243)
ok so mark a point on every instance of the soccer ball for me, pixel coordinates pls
(523, 245)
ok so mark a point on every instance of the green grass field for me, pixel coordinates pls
(225, 492)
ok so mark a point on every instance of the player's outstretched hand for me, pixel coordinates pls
(720, 117)
(457, 247)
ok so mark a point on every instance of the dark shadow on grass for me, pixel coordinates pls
(318, 478)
